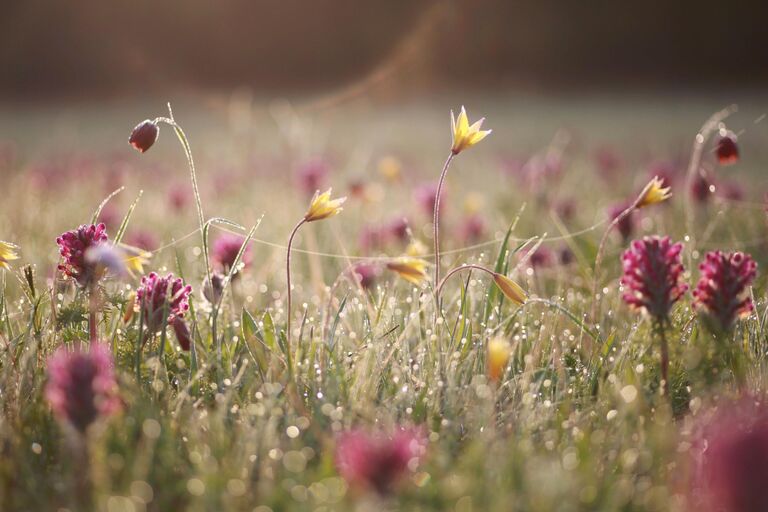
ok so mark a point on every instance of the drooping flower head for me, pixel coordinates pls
(144, 135)
(727, 149)
(653, 275)
(722, 290)
(510, 289)
(81, 385)
(73, 245)
(410, 269)
(8, 252)
(225, 249)
(162, 295)
(366, 274)
(322, 206)
(730, 460)
(377, 461)
(464, 135)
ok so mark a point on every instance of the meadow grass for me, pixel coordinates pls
(576, 422)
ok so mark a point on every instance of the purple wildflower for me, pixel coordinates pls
(225, 250)
(653, 275)
(312, 175)
(722, 288)
(81, 385)
(162, 295)
(366, 274)
(73, 246)
(377, 461)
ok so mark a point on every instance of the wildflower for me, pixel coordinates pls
(727, 149)
(322, 206)
(499, 351)
(213, 289)
(566, 256)
(312, 175)
(653, 193)
(653, 275)
(398, 229)
(510, 289)
(626, 225)
(410, 269)
(464, 135)
(730, 460)
(160, 296)
(8, 252)
(390, 168)
(377, 461)
(73, 246)
(106, 258)
(722, 290)
(144, 135)
(135, 258)
(541, 257)
(225, 250)
(365, 274)
(81, 385)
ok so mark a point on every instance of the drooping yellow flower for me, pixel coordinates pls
(510, 289)
(322, 206)
(464, 135)
(410, 269)
(8, 252)
(499, 351)
(654, 192)
(390, 168)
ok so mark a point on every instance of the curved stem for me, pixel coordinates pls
(436, 220)
(195, 189)
(467, 266)
(288, 280)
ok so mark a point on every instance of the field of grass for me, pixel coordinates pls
(252, 418)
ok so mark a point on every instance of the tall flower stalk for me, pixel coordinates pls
(321, 207)
(652, 279)
(464, 136)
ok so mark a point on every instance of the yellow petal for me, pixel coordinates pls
(499, 351)
(510, 289)
(410, 269)
(653, 193)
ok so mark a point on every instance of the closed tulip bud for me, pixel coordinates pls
(144, 135)
(510, 289)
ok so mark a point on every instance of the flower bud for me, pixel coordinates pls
(213, 289)
(727, 149)
(144, 135)
(182, 332)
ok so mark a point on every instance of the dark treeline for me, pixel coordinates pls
(50, 47)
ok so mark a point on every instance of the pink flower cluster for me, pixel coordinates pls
(81, 385)
(377, 461)
(722, 288)
(73, 246)
(158, 296)
(653, 275)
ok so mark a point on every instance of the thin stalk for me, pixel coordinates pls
(288, 280)
(664, 358)
(92, 306)
(436, 221)
(195, 189)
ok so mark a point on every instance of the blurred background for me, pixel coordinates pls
(53, 48)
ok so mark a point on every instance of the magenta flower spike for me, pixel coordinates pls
(722, 290)
(73, 246)
(653, 276)
(157, 295)
(81, 385)
(225, 249)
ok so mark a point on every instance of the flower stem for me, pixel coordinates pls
(466, 266)
(664, 359)
(288, 280)
(436, 222)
